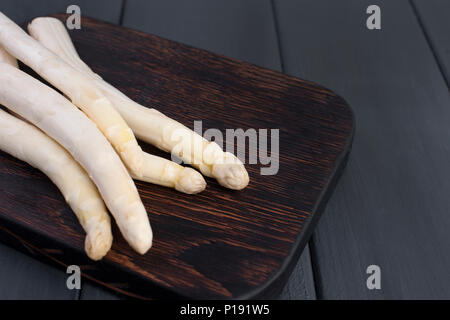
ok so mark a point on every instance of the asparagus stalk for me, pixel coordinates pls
(62, 121)
(148, 125)
(75, 85)
(29, 144)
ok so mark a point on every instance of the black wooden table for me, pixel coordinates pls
(391, 207)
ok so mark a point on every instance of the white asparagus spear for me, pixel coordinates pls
(75, 85)
(29, 144)
(167, 173)
(58, 118)
(148, 124)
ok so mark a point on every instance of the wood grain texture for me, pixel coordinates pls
(220, 243)
(244, 30)
(22, 277)
(434, 18)
(391, 206)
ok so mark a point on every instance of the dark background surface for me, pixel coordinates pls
(391, 207)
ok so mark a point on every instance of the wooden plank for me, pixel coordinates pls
(22, 277)
(21, 11)
(300, 285)
(92, 291)
(391, 206)
(243, 30)
(434, 18)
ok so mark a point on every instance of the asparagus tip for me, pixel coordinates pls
(98, 243)
(144, 244)
(231, 175)
(191, 182)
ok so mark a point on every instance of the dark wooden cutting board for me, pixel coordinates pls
(217, 244)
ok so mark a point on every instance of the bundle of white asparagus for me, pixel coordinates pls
(87, 145)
